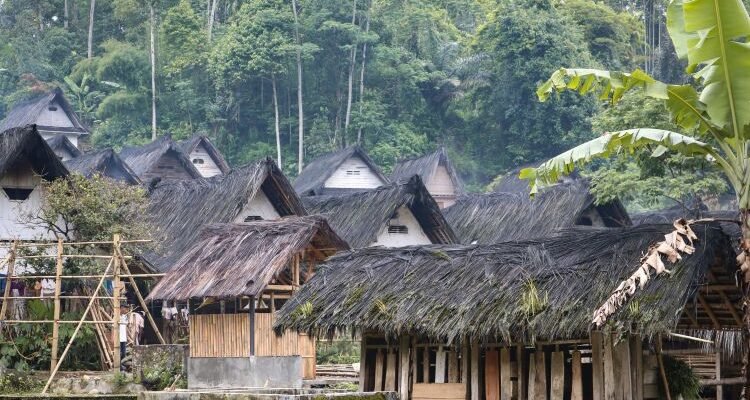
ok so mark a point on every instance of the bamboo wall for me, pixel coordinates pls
(228, 335)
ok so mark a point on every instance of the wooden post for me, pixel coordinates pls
(379, 362)
(56, 312)
(116, 304)
(636, 366)
(252, 325)
(403, 380)
(426, 364)
(453, 366)
(540, 378)
(78, 327)
(610, 385)
(506, 387)
(521, 365)
(140, 298)
(557, 384)
(532, 378)
(662, 372)
(440, 365)
(491, 375)
(465, 362)
(475, 370)
(362, 364)
(390, 371)
(414, 361)
(576, 389)
(11, 263)
(624, 374)
(719, 386)
(597, 365)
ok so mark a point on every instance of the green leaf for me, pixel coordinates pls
(610, 143)
(711, 34)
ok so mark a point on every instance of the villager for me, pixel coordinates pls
(135, 327)
(18, 289)
(123, 332)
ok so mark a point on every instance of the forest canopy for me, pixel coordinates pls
(399, 77)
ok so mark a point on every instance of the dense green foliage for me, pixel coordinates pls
(455, 72)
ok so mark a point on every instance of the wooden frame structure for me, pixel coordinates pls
(116, 270)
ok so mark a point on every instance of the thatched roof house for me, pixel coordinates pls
(161, 159)
(437, 172)
(241, 260)
(179, 209)
(399, 214)
(26, 145)
(340, 172)
(63, 147)
(105, 163)
(499, 217)
(207, 159)
(51, 112)
(477, 291)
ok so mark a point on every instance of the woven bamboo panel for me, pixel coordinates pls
(219, 335)
(291, 343)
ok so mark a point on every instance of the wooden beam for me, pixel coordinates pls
(557, 375)
(116, 306)
(426, 365)
(465, 362)
(691, 317)
(141, 301)
(11, 262)
(636, 366)
(362, 364)
(379, 363)
(280, 288)
(662, 372)
(520, 366)
(610, 384)
(440, 365)
(540, 379)
(719, 387)
(597, 364)
(56, 311)
(491, 375)
(709, 311)
(727, 302)
(390, 371)
(475, 371)
(506, 387)
(531, 391)
(576, 388)
(403, 380)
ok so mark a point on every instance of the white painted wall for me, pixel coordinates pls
(416, 235)
(441, 187)
(54, 118)
(353, 174)
(258, 205)
(14, 214)
(73, 137)
(207, 167)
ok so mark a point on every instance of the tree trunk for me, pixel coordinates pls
(211, 18)
(92, 6)
(153, 72)
(352, 62)
(65, 14)
(362, 71)
(276, 121)
(300, 109)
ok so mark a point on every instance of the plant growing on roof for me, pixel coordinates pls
(712, 36)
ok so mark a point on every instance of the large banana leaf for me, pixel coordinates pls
(681, 100)
(711, 34)
(611, 143)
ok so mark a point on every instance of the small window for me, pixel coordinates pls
(402, 229)
(352, 172)
(17, 194)
(198, 161)
(251, 218)
(52, 108)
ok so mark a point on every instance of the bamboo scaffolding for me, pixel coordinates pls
(38, 244)
(116, 305)
(140, 299)
(58, 288)
(87, 276)
(11, 261)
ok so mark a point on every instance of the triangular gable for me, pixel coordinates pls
(104, 162)
(315, 177)
(206, 158)
(161, 159)
(63, 147)
(51, 112)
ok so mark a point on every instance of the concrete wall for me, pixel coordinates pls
(172, 357)
(245, 372)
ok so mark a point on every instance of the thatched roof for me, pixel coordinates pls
(142, 159)
(61, 142)
(233, 260)
(105, 163)
(310, 182)
(26, 112)
(511, 183)
(189, 145)
(500, 217)
(427, 165)
(360, 217)
(179, 209)
(697, 211)
(26, 143)
(479, 291)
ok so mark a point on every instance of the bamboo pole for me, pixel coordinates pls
(662, 372)
(11, 261)
(88, 276)
(116, 306)
(140, 299)
(56, 317)
(75, 333)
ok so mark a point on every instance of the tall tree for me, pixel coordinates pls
(300, 108)
(92, 7)
(352, 66)
(720, 113)
(152, 58)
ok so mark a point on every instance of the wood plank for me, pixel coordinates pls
(426, 365)
(475, 371)
(719, 388)
(576, 384)
(597, 365)
(464, 363)
(379, 366)
(440, 365)
(390, 371)
(610, 386)
(622, 355)
(439, 391)
(506, 386)
(636, 367)
(531, 392)
(403, 365)
(521, 365)
(452, 367)
(540, 378)
(491, 375)
(557, 375)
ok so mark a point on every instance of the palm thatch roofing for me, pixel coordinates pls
(26, 112)
(189, 145)
(234, 260)
(542, 289)
(179, 209)
(360, 217)
(511, 183)
(313, 177)
(696, 211)
(105, 163)
(500, 217)
(19, 144)
(62, 143)
(426, 166)
(142, 159)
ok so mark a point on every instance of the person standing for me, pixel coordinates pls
(123, 333)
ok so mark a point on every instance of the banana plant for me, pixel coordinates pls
(714, 37)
